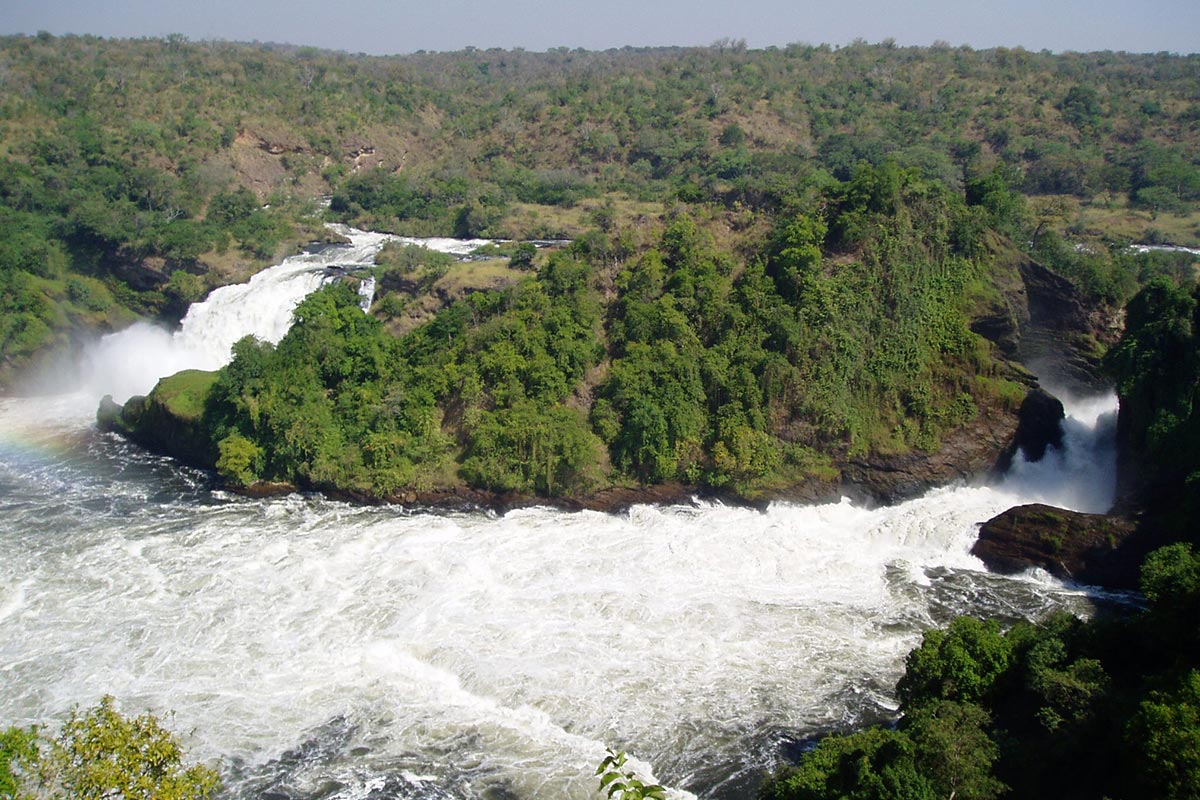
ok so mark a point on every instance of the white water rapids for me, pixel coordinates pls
(314, 649)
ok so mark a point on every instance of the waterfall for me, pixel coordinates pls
(133, 360)
(366, 293)
(315, 649)
(1082, 474)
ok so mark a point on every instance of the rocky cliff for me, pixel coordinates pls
(1042, 320)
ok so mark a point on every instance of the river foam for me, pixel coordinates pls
(315, 646)
(316, 649)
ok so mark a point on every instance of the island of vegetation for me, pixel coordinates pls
(792, 273)
(843, 343)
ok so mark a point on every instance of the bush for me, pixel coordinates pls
(101, 754)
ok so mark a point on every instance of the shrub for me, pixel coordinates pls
(101, 754)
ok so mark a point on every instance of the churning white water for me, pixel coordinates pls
(131, 362)
(319, 650)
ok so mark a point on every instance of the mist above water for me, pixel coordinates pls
(1082, 474)
(316, 649)
(132, 361)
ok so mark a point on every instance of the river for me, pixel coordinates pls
(314, 649)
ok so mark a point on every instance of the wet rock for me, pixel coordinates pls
(261, 489)
(1095, 549)
(967, 453)
(1039, 425)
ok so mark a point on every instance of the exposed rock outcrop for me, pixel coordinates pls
(168, 420)
(1041, 319)
(969, 452)
(1094, 549)
(1002, 315)
(1066, 335)
(1039, 425)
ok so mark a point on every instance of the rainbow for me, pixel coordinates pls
(34, 430)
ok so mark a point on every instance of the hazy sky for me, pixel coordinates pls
(403, 26)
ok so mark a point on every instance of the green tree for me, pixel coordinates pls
(522, 257)
(954, 750)
(1166, 733)
(797, 254)
(1157, 367)
(961, 663)
(238, 460)
(873, 764)
(1081, 107)
(99, 753)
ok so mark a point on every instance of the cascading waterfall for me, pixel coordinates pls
(132, 361)
(317, 649)
(1083, 474)
(366, 291)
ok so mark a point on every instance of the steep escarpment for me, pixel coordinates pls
(1156, 366)
(1066, 335)
(1045, 320)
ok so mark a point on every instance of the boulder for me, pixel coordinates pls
(1094, 549)
(1039, 425)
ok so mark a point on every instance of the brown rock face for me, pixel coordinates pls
(970, 452)
(1042, 320)
(1060, 341)
(1095, 549)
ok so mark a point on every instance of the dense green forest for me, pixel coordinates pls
(1064, 708)
(780, 265)
(135, 175)
(846, 334)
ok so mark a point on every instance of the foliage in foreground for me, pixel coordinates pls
(1062, 709)
(100, 753)
(619, 783)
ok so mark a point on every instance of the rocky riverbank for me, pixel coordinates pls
(168, 421)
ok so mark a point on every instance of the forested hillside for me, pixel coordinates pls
(135, 175)
(679, 363)
(788, 271)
